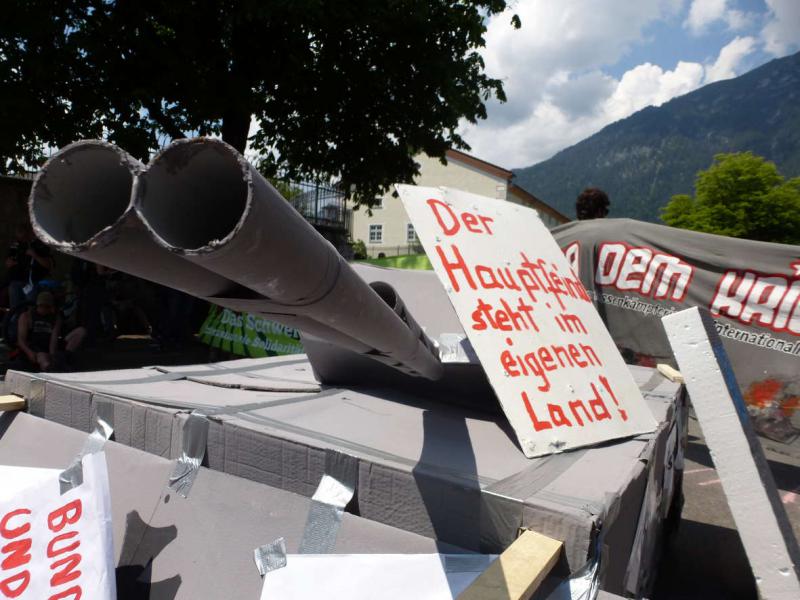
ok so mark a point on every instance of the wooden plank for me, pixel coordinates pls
(11, 402)
(745, 476)
(517, 572)
(672, 374)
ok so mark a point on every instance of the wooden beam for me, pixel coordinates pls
(11, 402)
(672, 374)
(743, 470)
(517, 572)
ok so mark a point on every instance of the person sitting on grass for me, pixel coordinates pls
(38, 332)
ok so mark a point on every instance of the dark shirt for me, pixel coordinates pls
(41, 331)
(37, 271)
(19, 272)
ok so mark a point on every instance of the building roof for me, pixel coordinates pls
(527, 198)
(479, 164)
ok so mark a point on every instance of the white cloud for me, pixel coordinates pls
(553, 75)
(650, 85)
(704, 13)
(781, 34)
(729, 59)
(568, 36)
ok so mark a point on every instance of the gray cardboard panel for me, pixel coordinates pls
(68, 406)
(225, 518)
(135, 478)
(19, 382)
(171, 548)
(294, 365)
(141, 426)
(399, 428)
(424, 466)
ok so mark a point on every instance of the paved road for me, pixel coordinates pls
(706, 558)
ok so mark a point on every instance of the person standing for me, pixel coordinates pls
(30, 261)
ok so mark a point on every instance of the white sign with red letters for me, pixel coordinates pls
(53, 546)
(552, 363)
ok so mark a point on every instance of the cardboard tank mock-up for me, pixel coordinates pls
(396, 380)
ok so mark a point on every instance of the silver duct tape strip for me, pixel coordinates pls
(456, 348)
(195, 438)
(467, 563)
(502, 502)
(335, 490)
(72, 476)
(270, 557)
(321, 530)
(36, 397)
(584, 585)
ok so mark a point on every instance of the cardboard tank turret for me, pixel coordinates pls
(202, 220)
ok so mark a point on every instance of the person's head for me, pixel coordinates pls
(45, 303)
(592, 203)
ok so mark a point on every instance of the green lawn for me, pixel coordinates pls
(409, 261)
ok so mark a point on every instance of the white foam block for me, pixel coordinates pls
(743, 470)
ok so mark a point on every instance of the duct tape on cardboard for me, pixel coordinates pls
(72, 476)
(585, 583)
(270, 557)
(502, 502)
(36, 397)
(334, 492)
(195, 438)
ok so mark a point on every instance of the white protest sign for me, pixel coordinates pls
(374, 576)
(550, 359)
(53, 546)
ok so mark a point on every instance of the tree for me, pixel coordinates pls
(350, 90)
(740, 195)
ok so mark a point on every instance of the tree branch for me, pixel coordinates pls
(163, 121)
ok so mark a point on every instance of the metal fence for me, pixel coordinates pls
(324, 206)
(374, 251)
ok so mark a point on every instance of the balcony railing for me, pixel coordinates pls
(324, 206)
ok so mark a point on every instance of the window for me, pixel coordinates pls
(411, 235)
(378, 203)
(376, 234)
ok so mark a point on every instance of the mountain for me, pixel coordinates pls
(641, 161)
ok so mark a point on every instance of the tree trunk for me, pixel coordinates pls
(235, 127)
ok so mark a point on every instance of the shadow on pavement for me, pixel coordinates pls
(704, 561)
(786, 476)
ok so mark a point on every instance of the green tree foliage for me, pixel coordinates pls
(359, 250)
(350, 90)
(740, 195)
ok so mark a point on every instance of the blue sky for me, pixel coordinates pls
(578, 65)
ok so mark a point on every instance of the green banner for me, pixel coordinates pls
(248, 335)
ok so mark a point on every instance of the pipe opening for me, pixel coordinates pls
(195, 194)
(81, 192)
(386, 292)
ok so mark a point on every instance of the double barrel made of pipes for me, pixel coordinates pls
(199, 218)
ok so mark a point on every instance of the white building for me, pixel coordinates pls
(389, 231)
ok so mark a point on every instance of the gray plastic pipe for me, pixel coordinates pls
(81, 203)
(204, 202)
